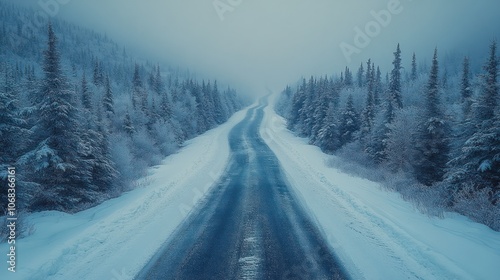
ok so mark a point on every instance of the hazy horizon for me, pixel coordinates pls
(256, 44)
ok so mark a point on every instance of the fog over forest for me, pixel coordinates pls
(258, 44)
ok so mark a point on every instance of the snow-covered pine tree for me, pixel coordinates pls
(479, 163)
(348, 79)
(377, 90)
(219, 114)
(165, 109)
(368, 114)
(86, 94)
(395, 81)
(444, 79)
(359, 75)
(11, 124)
(307, 110)
(56, 163)
(152, 79)
(139, 94)
(321, 105)
(466, 89)
(95, 147)
(97, 155)
(208, 105)
(201, 114)
(465, 125)
(14, 135)
(128, 126)
(433, 143)
(488, 100)
(158, 86)
(381, 135)
(349, 122)
(328, 138)
(108, 100)
(413, 75)
(297, 104)
(97, 76)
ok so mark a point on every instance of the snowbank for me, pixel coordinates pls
(115, 239)
(375, 233)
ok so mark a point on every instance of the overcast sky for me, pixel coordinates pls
(259, 43)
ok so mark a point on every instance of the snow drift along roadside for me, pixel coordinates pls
(375, 233)
(114, 240)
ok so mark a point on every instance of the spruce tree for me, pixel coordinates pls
(158, 86)
(11, 124)
(378, 147)
(395, 81)
(348, 79)
(165, 108)
(14, 135)
(465, 89)
(413, 75)
(56, 162)
(465, 127)
(349, 122)
(139, 95)
(128, 126)
(297, 103)
(433, 146)
(97, 76)
(86, 95)
(219, 114)
(488, 99)
(368, 114)
(369, 67)
(320, 108)
(328, 138)
(307, 110)
(479, 163)
(103, 169)
(108, 100)
(377, 90)
(360, 78)
(207, 105)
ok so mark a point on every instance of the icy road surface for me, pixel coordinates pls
(250, 226)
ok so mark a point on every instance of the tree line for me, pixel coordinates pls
(441, 132)
(80, 127)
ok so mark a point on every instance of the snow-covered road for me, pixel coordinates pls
(375, 234)
(250, 225)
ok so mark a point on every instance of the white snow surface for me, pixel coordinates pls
(117, 238)
(375, 233)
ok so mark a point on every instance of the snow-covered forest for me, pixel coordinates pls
(81, 118)
(431, 133)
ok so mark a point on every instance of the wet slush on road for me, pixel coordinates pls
(250, 226)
